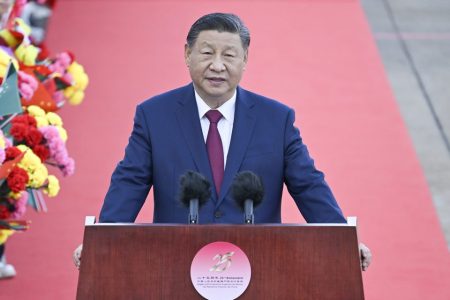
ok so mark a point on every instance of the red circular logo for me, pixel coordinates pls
(220, 270)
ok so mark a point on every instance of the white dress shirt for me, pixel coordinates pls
(225, 125)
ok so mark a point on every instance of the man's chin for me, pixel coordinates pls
(219, 98)
(219, 94)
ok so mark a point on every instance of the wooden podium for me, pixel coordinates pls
(152, 261)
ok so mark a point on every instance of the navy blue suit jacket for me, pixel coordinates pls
(167, 141)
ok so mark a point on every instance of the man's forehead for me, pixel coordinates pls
(214, 38)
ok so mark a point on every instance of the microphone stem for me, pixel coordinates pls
(248, 208)
(193, 211)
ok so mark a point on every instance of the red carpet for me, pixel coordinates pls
(316, 56)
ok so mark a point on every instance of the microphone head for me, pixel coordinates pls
(194, 185)
(247, 185)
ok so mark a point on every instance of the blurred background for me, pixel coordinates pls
(413, 39)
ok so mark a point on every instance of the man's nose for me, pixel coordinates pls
(217, 64)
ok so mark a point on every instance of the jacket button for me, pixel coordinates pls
(218, 214)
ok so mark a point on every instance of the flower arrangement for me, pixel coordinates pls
(44, 134)
(36, 139)
(32, 137)
(44, 80)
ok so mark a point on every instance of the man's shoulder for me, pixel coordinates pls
(262, 101)
(169, 98)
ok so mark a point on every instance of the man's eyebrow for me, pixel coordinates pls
(207, 44)
(231, 48)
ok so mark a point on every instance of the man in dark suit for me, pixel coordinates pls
(218, 129)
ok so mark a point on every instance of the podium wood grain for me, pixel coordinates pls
(151, 261)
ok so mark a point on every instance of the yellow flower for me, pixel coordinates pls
(5, 59)
(30, 161)
(36, 111)
(14, 196)
(79, 75)
(75, 93)
(54, 119)
(41, 121)
(4, 234)
(9, 38)
(62, 133)
(23, 148)
(2, 142)
(76, 98)
(38, 177)
(52, 188)
(22, 26)
(27, 54)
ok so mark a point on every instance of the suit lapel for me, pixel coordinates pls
(189, 122)
(244, 123)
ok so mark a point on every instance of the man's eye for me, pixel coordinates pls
(229, 55)
(206, 53)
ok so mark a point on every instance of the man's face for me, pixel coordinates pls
(216, 62)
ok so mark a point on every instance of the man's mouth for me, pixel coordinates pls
(216, 79)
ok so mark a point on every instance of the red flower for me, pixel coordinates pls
(34, 137)
(41, 151)
(19, 119)
(17, 179)
(4, 212)
(19, 131)
(11, 153)
(25, 119)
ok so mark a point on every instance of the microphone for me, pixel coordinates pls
(248, 191)
(195, 190)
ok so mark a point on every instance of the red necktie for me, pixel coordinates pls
(215, 148)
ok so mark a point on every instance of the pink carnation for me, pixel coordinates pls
(54, 141)
(56, 146)
(21, 206)
(61, 156)
(2, 155)
(49, 132)
(58, 96)
(68, 167)
(27, 85)
(61, 63)
(29, 79)
(58, 150)
(68, 77)
(25, 91)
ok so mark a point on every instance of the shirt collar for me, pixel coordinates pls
(226, 109)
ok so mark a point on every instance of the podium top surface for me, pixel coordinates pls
(90, 221)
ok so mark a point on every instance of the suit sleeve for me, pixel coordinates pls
(132, 178)
(305, 183)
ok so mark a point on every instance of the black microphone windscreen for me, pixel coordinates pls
(194, 185)
(247, 185)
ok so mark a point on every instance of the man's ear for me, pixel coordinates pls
(246, 55)
(187, 54)
(245, 58)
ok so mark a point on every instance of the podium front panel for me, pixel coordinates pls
(151, 261)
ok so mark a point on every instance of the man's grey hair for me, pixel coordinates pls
(221, 22)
